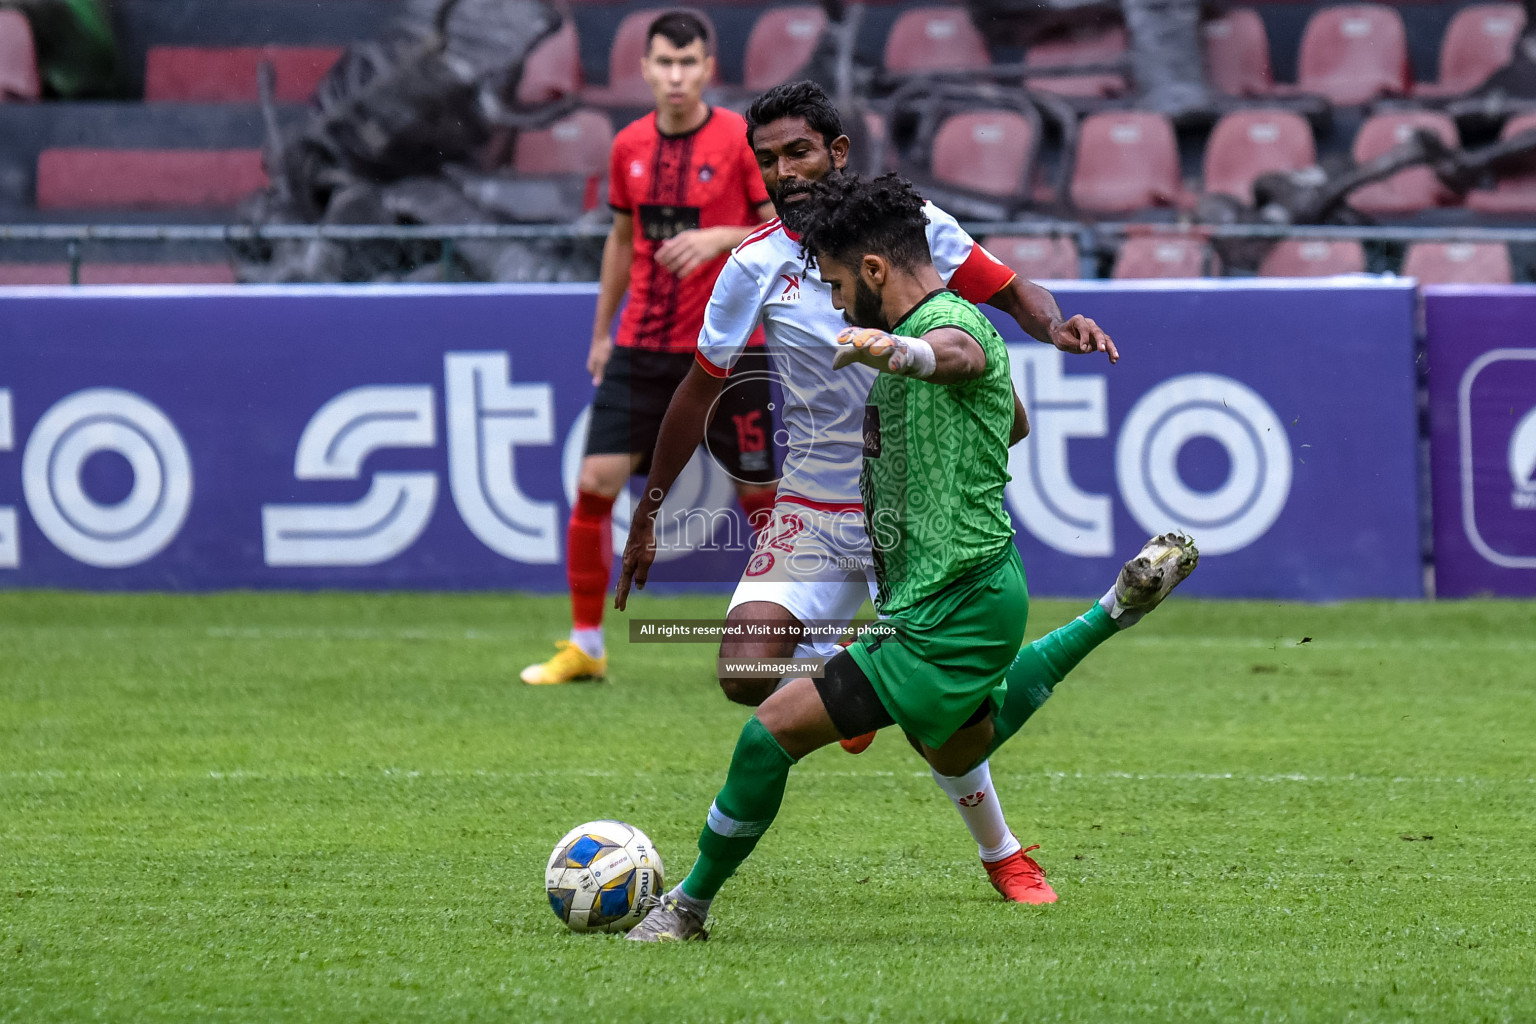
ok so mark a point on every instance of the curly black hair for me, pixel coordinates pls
(796, 99)
(851, 217)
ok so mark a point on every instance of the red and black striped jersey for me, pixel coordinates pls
(670, 183)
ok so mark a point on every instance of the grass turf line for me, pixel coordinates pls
(338, 807)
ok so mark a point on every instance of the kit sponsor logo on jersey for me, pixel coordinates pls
(659, 223)
(706, 172)
(791, 292)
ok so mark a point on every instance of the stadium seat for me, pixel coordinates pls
(195, 74)
(553, 70)
(1479, 40)
(1354, 54)
(1513, 192)
(626, 87)
(1038, 258)
(935, 39)
(146, 179)
(1155, 256)
(1097, 47)
(1458, 263)
(1237, 53)
(1126, 161)
(1248, 143)
(19, 274)
(1309, 257)
(18, 58)
(782, 43)
(987, 151)
(576, 144)
(1408, 191)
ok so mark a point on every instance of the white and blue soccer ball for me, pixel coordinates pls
(603, 876)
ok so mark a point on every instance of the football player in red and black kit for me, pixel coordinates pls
(685, 190)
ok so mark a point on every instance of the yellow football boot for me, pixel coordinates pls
(569, 666)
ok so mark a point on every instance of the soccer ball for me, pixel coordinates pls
(603, 876)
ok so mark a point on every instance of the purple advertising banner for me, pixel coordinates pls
(431, 437)
(1482, 405)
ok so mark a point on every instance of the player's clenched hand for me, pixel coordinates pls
(868, 346)
(1081, 335)
(686, 251)
(639, 553)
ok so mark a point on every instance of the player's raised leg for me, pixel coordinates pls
(1163, 563)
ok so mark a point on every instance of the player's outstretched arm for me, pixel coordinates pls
(682, 430)
(1036, 311)
(946, 355)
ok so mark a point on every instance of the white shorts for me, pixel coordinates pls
(816, 563)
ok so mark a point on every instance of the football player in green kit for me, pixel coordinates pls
(951, 586)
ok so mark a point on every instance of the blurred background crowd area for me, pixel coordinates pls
(1128, 140)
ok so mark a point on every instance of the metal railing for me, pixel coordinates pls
(1090, 236)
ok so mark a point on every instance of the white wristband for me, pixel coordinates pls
(913, 357)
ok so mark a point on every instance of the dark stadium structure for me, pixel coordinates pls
(1132, 138)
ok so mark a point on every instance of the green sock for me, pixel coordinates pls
(1039, 667)
(742, 812)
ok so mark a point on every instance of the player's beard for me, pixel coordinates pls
(867, 309)
(796, 216)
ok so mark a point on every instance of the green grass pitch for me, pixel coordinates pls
(338, 808)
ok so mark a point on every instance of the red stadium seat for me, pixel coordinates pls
(1406, 191)
(1096, 47)
(1237, 53)
(1037, 258)
(1249, 143)
(553, 69)
(1513, 192)
(1155, 256)
(576, 144)
(117, 273)
(1458, 263)
(1479, 40)
(1353, 54)
(626, 87)
(195, 74)
(18, 58)
(988, 151)
(1308, 257)
(935, 39)
(146, 179)
(781, 45)
(1126, 161)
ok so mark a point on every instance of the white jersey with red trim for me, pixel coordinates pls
(766, 281)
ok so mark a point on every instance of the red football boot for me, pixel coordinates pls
(858, 744)
(1020, 878)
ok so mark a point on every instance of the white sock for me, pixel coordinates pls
(589, 640)
(700, 907)
(977, 803)
(1122, 618)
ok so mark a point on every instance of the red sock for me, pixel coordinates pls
(589, 558)
(758, 505)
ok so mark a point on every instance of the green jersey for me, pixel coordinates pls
(936, 463)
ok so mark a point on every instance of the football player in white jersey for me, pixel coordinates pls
(813, 565)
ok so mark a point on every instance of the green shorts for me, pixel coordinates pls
(949, 650)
